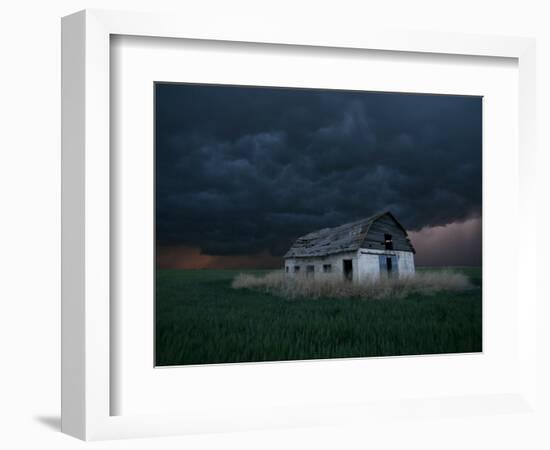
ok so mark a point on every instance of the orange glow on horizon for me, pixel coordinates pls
(187, 257)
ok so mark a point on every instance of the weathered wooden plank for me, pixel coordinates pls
(352, 236)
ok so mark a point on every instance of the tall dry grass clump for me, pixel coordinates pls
(426, 283)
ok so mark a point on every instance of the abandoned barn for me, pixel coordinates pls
(357, 251)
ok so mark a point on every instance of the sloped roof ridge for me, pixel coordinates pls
(333, 240)
(344, 226)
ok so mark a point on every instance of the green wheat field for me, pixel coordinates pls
(201, 319)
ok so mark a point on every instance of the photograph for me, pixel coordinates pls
(298, 224)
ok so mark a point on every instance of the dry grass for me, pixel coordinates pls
(426, 283)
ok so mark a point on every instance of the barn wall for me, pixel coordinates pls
(335, 260)
(405, 263)
(374, 240)
(366, 265)
(370, 266)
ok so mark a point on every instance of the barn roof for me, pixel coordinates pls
(343, 238)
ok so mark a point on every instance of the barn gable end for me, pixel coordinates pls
(387, 224)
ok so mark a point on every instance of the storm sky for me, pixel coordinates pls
(242, 171)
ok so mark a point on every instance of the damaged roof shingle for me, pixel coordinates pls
(344, 238)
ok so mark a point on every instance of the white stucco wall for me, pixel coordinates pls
(405, 263)
(369, 264)
(366, 264)
(334, 260)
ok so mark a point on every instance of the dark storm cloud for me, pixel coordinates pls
(242, 171)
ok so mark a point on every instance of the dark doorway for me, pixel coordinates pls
(389, 266)
(348, 269)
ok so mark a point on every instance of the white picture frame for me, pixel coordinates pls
(86, 219)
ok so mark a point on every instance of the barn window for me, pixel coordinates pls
(327, 268)
(286, 268)
(296, 269)
(310, 270)
(388, 243)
